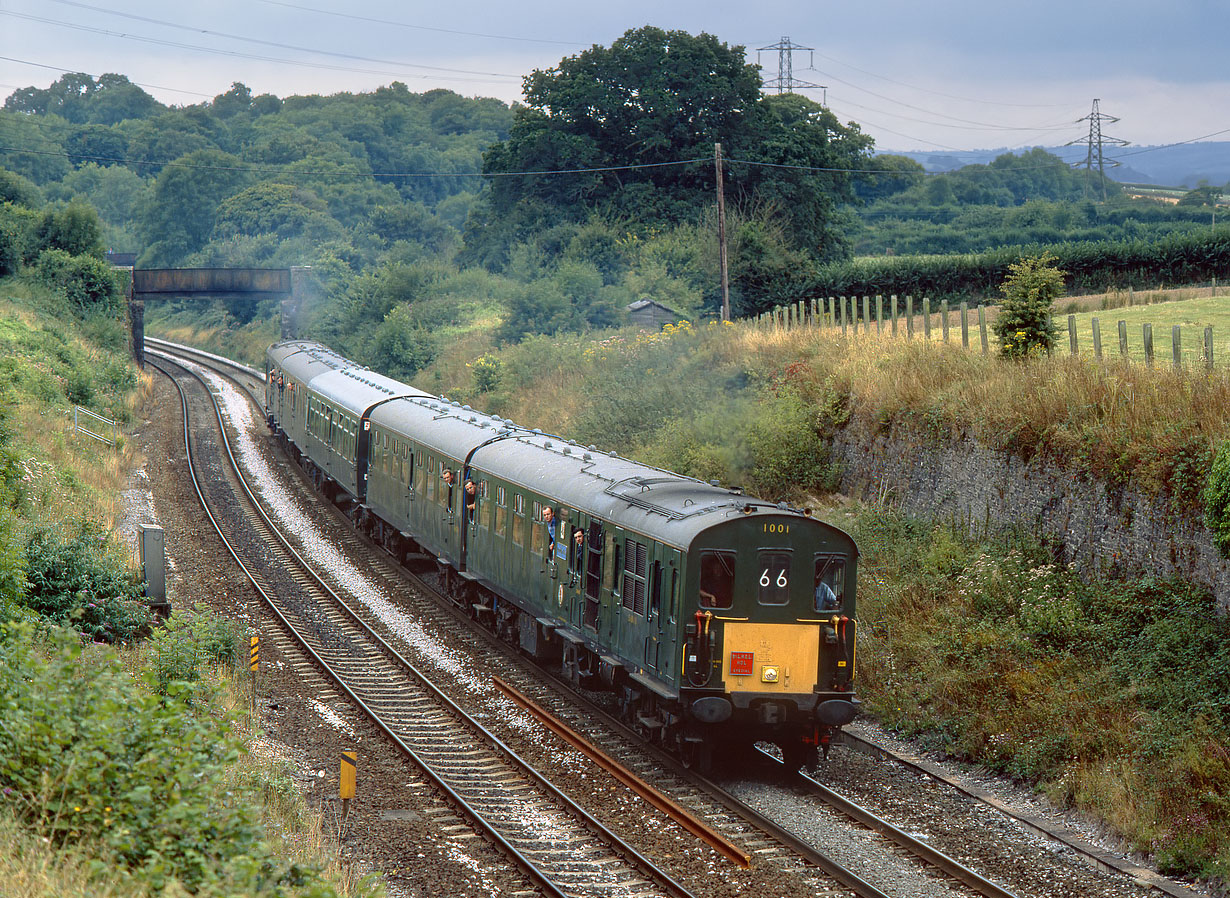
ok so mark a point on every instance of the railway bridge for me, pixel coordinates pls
(290, 285)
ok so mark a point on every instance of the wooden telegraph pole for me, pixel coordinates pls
(721, 200)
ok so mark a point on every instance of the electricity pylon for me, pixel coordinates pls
(785, 80)
(1096, 140)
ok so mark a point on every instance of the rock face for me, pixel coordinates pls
(986, 491)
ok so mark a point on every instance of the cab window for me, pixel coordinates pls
(717, 579)
(830, 583)
(773, 583)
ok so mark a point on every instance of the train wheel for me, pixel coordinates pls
(695, 754)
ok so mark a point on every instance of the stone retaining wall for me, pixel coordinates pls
(987, 491)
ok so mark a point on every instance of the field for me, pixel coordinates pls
(1192, 309)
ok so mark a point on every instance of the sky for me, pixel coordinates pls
(943, 76)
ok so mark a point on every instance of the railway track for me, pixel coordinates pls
(562, 848)
(764, 841)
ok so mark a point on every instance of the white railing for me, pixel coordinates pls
(92, 420)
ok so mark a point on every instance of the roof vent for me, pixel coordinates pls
(587, 457)
(593, 448)
(715, 483)
(546, 445)
(467, 408)
(613, 454)
(567, 451)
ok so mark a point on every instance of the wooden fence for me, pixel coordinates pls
(865, 315)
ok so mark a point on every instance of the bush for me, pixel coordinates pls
(1216, 498)
(87, 283)
(790, 456)
(78, 580)
(1024, 326)
(143, 776)
(186, 643)
(74, 228)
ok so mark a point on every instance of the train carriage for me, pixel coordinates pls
(719, 620)
(321, 402)
(415, 441)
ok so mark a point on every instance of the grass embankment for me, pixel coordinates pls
(135, 780)
(1109, 696)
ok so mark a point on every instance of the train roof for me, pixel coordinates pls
(639, 497)
(635, 496)
(447, 427)
(304, 359)
(632, 495)
(335, 378)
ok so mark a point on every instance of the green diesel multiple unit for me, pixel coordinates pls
(718, 619)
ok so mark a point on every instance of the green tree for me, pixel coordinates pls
(892, 175)
(74, 228)
(1024, 326)
(1204, 194)
(187, 195)
(658, 99)
(18, 190)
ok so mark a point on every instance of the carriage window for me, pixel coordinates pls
(501, 510)
(655, 590)
(830, 582)
(593, 573)
(717, 579)
(635, 570)
(431, 478)
(773, 580)
(518, 521)
(538, 530)
(674, 592)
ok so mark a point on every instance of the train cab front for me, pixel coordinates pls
(771, 640)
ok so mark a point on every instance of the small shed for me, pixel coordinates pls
(121, 260)
(651, 314)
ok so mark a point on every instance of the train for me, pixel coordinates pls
(715, 619)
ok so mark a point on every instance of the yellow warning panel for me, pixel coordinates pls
(770, 658)
(350, 760)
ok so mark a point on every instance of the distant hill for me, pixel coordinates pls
(1172, 166)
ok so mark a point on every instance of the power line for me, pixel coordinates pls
(397, 24)
(932, 111)
(941, 93)
(56, 68)
(1176, 144)
(289, 171)
(1066, 126)
(264, 43)
(233, 53)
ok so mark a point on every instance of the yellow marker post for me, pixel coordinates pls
(346, 790)
(254, 662)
